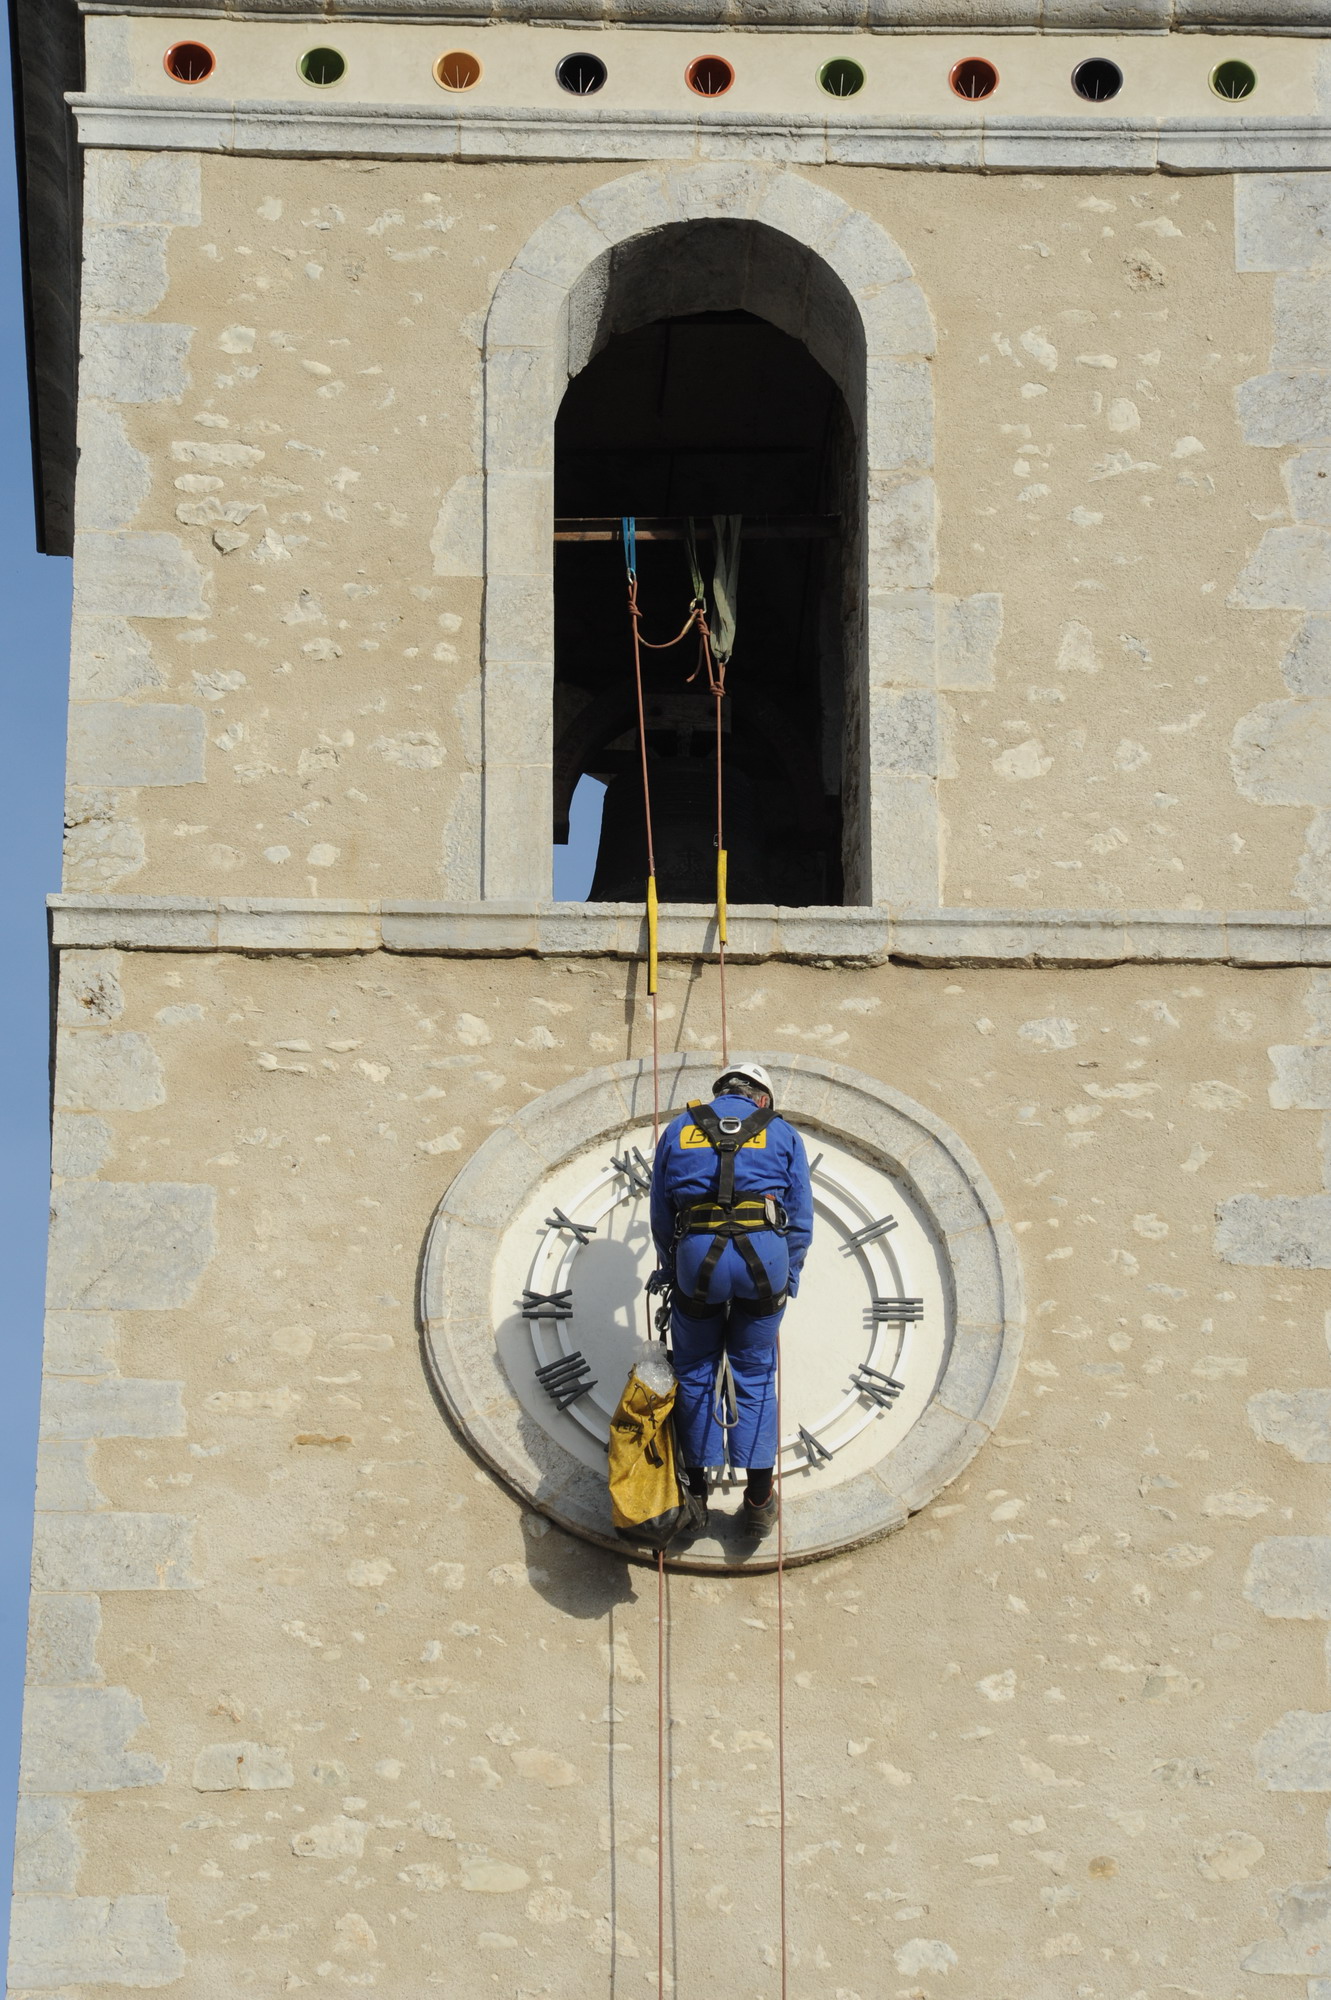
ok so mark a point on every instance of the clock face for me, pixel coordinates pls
(896, 1358)
(863, 1346)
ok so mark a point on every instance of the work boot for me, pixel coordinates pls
(758, 1521)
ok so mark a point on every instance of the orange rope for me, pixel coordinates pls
(638, 643)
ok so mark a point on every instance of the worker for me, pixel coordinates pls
(732, 1215)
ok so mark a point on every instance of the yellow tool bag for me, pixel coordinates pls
(645, 1496)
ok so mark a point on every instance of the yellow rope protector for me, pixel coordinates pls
(721, 895)
(651, 934)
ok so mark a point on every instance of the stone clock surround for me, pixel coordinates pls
(889, 1128)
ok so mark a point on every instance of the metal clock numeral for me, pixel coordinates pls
(869, 1233)
(879, 1388)
(562, 1379)
(892, 1311)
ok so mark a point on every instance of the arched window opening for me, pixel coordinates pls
(698, 414)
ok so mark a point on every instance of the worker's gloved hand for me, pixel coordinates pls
(661, 1279)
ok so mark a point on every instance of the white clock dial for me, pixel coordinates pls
(863, 1346)
(897, 1356)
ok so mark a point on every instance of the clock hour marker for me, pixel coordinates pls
(634, 1168)
(879, 1388)
(547, 1305)
(894, 1310)
(869, 1232)
(562, 1379)
(814, 1450)
(584, 1231)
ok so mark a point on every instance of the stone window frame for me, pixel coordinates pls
(539, 329)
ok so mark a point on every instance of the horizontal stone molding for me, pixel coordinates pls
(886, 1127)
(488, 132)
(269, 925)
(873, 16)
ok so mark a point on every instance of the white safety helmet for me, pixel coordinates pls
(746, 1072)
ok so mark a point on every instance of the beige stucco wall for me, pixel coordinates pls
(320, 357)
(1041, 1728)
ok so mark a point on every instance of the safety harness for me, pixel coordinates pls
(723, 1218)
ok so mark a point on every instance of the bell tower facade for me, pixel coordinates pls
(367, 349)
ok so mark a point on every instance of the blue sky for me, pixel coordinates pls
(34, 608)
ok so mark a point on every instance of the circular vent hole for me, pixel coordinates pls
(841, 77)
(710, 76)
(974, 78)
(1233, 80)
(458, 70)
(323, 66)
(1097, 80)
(583, 75)
(189, 62)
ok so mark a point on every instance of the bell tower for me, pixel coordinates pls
(967, 369)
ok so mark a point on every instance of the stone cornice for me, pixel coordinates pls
(756, 933)
(476, 132)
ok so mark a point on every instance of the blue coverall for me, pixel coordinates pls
(686, 1170)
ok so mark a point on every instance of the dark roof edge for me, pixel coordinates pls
(884, 16)
(46, 44)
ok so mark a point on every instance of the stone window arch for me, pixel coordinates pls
(862, 315)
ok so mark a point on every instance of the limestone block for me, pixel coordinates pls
(81, 1343)
(114, 477)
(1302, 1079)
(897, 320)
(1291, 571)
(47, 1848)
(1308, 482)
(631, 206)
(76, 1740)
(519, 521)
(80, 1144)
(242, 1767)
(110, 660)
(1302, 315)
(139, 188)
(1305, 1920)
(903, 731)
(93, 1940)
(458, 542)
(1289, 1576)
(704, 192)
(137, 576)
(969, 631)
(562, 247)
(525, 312)
(124, 271)
(336, 1839)
(902, 525)
(863, 255)
(101, 851)
(905, 843)
(1285, 409)
(1291, 1231)
(1280, 753)
(901, 414)
(62, 1639)
(112, 1552)
(1307, 665)
(1298, 1419)
(139, 1246)
(1282, 222)
(903, 637)
(1295, 1755)
(122, 744)
(128, 361)
(124, 1406)
(107, 1069)
(518, 611)
(520, 398)
(90, 992)
(65, 1484)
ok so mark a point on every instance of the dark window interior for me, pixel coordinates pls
(721, 413)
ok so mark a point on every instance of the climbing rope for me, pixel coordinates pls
(780, 1672)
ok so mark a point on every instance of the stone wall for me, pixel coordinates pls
(312, 1700)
